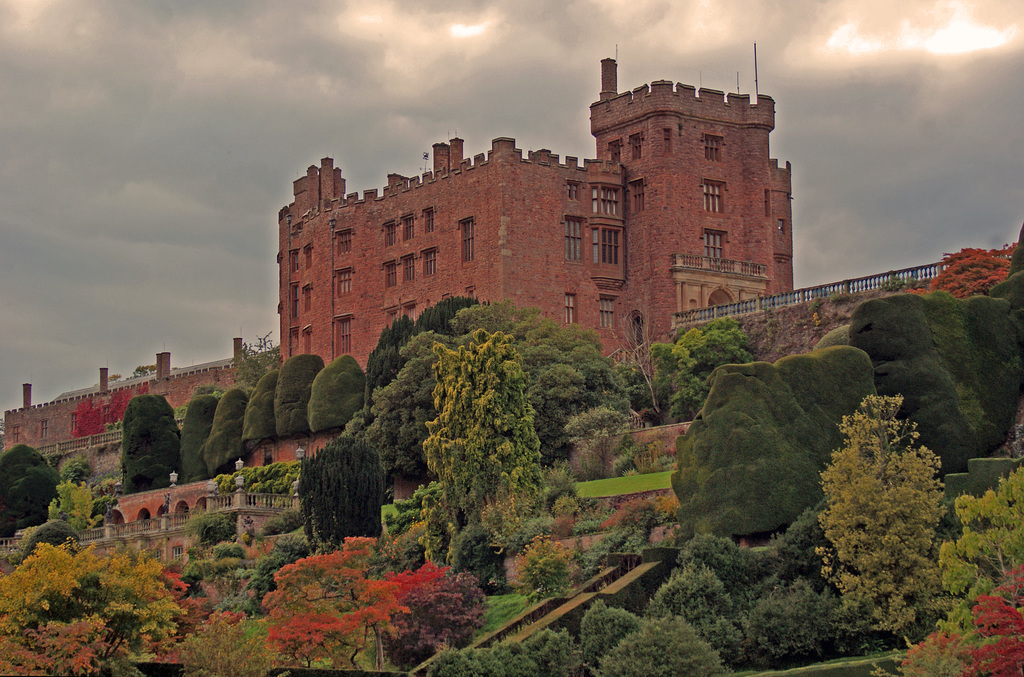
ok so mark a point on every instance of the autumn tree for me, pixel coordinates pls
(883, 502)
(999, 620)
(75, 501)
(27, 485)
(973, 272)
(482, 441)
(341, 490)
(988, 550)
(123, 599)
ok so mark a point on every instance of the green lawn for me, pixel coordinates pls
(501, 609)
(632, 484)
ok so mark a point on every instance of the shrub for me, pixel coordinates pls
(472, 551)
(341, 490)
(76, 469)
(733, 565)
(544, 569)
(638, 515)
(287, 549)
(291, 398)
(224, 444)
(528, 530)
(54, 532)
(662, 647)
(211, 528)
(229, 550)
(283, 523)
(336, 394)
(150, 446)
(791, 625)
(695, 594)
(27, 485)
(195, 429)
(602, 628)
(276, 478)
(227, 645)
(259, 422)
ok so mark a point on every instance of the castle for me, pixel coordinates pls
(682, 208)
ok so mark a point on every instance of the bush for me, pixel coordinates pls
(602, 628)
(227, 645)
(211, 528)
(544, 569)
(791, 625)
(27, 485)
(291, 398)
(696, 595)
(662, 647)
(287, 550)
(226, 550)
(75, 470)
(224, 445)
(195, 429)
(341, 490)
(283, 523)
(276, 478)
(638, 516)
(528, 530)
(336, 394)
(54, 532)
(259, 422)
(150, 446)
(473, 552)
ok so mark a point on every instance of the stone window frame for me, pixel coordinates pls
(574, 238)
(390, 274)
(408, 268)
(714, 196)
(408, 227)
(467, 228)
(606, 311)
(344, 281)
(429, 262)
(570, 308)
(636, 191)
(713, 147)
(428, 220)
(390, 233)
(636, 145)
(343, 335)
(714, 243)
(343, 239)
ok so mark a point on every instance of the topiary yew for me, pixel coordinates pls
(195, 429)
(336, 394)
(259, 423)
(27, 485)
(150, 446)
(750, 460)
(291, 398)
(341, 490)
(224, 444)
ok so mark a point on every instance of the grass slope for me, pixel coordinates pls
(631, 484)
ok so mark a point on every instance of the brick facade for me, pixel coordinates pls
(681, 208)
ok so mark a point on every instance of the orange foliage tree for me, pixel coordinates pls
(972, 272)
(326, 608)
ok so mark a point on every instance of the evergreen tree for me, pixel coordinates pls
(341, 490)
(336, 394)
(194, 431)
(291, 398)
(27, 485)
(150, 446)
(224, 445)
(259, 423)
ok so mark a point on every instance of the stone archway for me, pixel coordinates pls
(719, 297)
(143, 515)
(116, 517)
(200, 503)
(181, 508)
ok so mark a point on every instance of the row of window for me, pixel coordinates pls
(604, 242)
(712, 146)
(408, 224)
(605, 310)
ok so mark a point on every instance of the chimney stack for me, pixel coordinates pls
(26, 395)
(441, 157)
(609, 79)
(163, 365)
(455, 157)
(104, 380)
(237, 346)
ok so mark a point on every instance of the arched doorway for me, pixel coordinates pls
(143, 515)
(116, 517)
(719, 297)
(181, 508)
(200, 503)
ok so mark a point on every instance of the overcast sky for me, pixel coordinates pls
(146, 147)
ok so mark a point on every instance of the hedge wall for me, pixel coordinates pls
(336, 394)
(195, 429)
(224, 446)
(291, 398)
(150, 446)
(259, 421)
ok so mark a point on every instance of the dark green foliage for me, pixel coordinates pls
(224, 445)
(794, 551)
(260, 423)
(735, 566)
(282, 523)
(54, 532)
(791, 625)
(750, 461)
(384, 361)
(438, 317)
(150, 446)
(210, 528)
(840, 336)
(75, 470)
(195, 429)
(982, 474)
(341, 490)
(229, 550)
(336, 394)
(696, 594)
(291, 398)
(27, 485)
(662, 647)
(472, 551)
(287, 549)
(1012, 288)
(276, 478)
(402, 408)
(602, 628)
(411, 510)
(956, 363)
(547, 653)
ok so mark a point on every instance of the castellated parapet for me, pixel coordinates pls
(681, 207)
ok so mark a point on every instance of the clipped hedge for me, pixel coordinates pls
(291, 398)
(150, 446)
(259, 423)
(336, 394)
(750, 461)
(27, 485)
(982, 474)
(224, 444)
(195, 430)
(957, 364)
(275, 478)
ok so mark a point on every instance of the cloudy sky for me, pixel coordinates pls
(146, 147)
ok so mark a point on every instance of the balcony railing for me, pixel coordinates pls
(745, 268)
(896, 278)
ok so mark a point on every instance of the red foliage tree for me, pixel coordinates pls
(326, 608)
(444, 610)
(972, 272)
(999, 619)
(93, 414)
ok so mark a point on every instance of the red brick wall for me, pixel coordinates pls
(519, 207)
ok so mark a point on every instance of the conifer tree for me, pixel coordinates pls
(150, 447)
